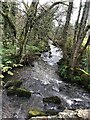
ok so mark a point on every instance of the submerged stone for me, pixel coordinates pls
(15, 83)
(35, 112)
(21, 92)
(52, 99)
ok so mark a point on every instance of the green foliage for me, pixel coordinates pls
(63, 71)
(84, 62)
(1, 76)
(37, 48)
(8, 61)
(34, 48)
(7, 69)
(79, 76)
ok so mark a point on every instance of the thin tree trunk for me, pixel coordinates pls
(80, 35)
(65, 29)
(77, 21)
(76, 30)
(84, 48)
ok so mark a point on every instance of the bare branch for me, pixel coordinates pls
(54, 4)
(7, 18)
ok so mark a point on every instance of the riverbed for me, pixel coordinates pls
(42, 80)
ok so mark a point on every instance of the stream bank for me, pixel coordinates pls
(67, 114)
(43, 81)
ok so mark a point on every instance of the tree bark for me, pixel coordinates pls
(81, 35)
(65, 29)
(77, 22)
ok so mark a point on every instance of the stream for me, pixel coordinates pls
(42, 79)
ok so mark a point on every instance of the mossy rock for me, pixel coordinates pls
(35, 112)
(21, 92)
(11, 91)
(15, 83)
(52, 99)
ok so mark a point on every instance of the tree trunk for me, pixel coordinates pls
(77, 22)
(81, 35)
(65, 29)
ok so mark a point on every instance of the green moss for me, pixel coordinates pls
(21, 92)
(52, 99)
(35, 112)
(11, 91)
(15, 83)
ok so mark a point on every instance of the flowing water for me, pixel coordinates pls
(42, 79)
